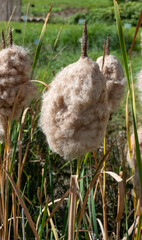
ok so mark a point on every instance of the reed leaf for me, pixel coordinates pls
(43, 220)
(37, 52)
(128, 126)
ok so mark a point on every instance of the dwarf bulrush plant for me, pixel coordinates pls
(74, 111)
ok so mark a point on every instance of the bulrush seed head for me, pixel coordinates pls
(74, 110)
(133, 164)
(113, 72)
(14, 76)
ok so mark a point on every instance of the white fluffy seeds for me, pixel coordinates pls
(14, 72)
(114, 75)
(74, 111)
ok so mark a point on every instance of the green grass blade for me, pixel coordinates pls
(138, 154)
(43, 220)
(37, 52)
(128, 126)
(82, 193)
(51, 190)
(122, 42)
(136, 32)
(94, 219)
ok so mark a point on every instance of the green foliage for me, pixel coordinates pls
(129, 14)
(62, 4)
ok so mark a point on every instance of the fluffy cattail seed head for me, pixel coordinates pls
(74, 111)
(133, 164)
(14, 73)
(113, 72)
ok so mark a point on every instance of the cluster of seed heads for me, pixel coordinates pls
(113, 72)
(74, 111)
(15, 86)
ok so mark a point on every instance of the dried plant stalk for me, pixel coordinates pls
(72, 206)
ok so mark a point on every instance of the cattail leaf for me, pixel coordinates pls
(94, 219)
(128, 126)
(87, 219)
(43, 220)
(37, 52)
(122, 41)
(136, 32)
(31, 223)
(11, 16)
(121, 194)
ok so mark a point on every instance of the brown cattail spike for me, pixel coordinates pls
(103, 55)
(84, 42)
(3, 40)
(107, 47)
(10, 37)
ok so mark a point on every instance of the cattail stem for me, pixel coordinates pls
(103, 55)
(3, 40)
(84, 42)
(107, 47)
(104, 193)
(72, 207)
(10, 38)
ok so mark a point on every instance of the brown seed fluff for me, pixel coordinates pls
(132, 162)
(74, 111)
(113, 72)
(14, 72)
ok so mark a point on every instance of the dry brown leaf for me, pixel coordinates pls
(27, 214)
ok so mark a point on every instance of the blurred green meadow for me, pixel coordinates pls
(44, 170)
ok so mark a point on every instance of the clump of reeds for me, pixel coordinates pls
(74, 111)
